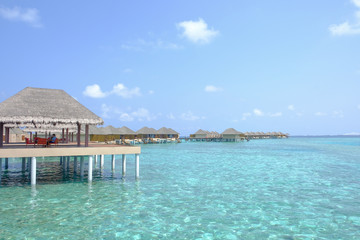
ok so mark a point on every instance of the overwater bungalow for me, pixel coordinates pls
(200, 134)
(232, 135)
(164, 135)
(145, 134)
(49, 110)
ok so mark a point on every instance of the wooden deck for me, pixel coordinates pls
(15, 150)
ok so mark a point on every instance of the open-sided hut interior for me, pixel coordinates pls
(41, 108)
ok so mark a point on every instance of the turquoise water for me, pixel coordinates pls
(296, 188)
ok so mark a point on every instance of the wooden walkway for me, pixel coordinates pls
(20, 150)
(65, 151)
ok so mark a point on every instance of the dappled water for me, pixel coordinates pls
(296, 188)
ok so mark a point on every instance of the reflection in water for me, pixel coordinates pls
(33, 199)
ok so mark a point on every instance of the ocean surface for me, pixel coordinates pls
(296, 188)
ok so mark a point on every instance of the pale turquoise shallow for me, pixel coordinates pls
(296, 188)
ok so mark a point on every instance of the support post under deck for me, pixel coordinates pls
(123, 165)
(33, 170)
(137, 170)
(90, 168)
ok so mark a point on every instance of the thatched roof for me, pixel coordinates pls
(163, 130)
(172, 131)
(44, 106)
(201, 132)
(146, 131)
(231, 131)
(166, 131)
(126, 131)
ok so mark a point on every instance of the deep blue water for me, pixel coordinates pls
(296, 188)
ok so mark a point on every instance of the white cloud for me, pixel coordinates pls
(291, 107)
(170, 116)
(358, 106)
(245, 116)
(258, 112)
(151, 92)
(124, 92)
(119, 89)
(346, 28)
(29, 15)
(197, 31)
(141, 45)
(211, 88)
(189, 116)
(320, 114)
(141, 114)
(94, 91)
(356, 2)
(127, 70)
(338, 114)
(277, 114)
(125, 117)
(105, 110)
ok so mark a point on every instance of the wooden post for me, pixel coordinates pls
(33, 170)
(0, 169)
(68, 163)
(78, 134)
(75, 164)
(6, 163)
(90, 168)
(86, 135)
(137, 170)
(7, 134)
(72, 137)
(1, 133)
(67, 135)
(82, 166)
(23, 164)
(113, 162)
(123, 165)
(29, 164)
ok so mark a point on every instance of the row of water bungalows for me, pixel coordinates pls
(126, 136)
(232, 135)
(109, 134)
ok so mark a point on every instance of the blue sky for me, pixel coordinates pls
(290, 66)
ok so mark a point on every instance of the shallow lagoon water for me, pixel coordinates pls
(296, 188)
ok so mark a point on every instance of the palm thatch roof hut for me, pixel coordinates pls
(231, 134)
(41, 106)
(146, 132)
(167, 133)
(126, 131)
(200, 134)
